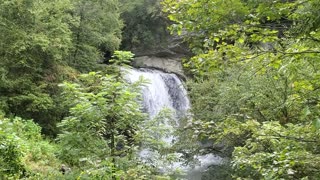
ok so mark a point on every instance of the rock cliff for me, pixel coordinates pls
(166, 58)
(167, 64)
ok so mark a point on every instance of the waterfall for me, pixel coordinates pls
(165, 90)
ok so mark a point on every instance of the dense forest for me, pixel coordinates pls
(68, 112)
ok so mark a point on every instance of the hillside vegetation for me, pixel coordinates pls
(255, 82)
(66, 111)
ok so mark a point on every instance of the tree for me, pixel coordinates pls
(145, 26)
(254, 87)
(104, 117)
(41, 44)
(97, 31)
(35, 38)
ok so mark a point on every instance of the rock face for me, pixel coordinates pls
(166, 64)
(166, 58)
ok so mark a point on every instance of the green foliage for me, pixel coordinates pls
(35, 36)
(101, 106)
(23, 151)
(11, 151)
(121, 57)
(145, 26)
(158, 143)
(276, 152)
(97, 30)
(100, 136)
(199, 22)
(255, 87)
(38, 40)
(225, 105)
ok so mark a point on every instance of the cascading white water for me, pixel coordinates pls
(165, 90)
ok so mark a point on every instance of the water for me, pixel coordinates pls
(165, 90)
